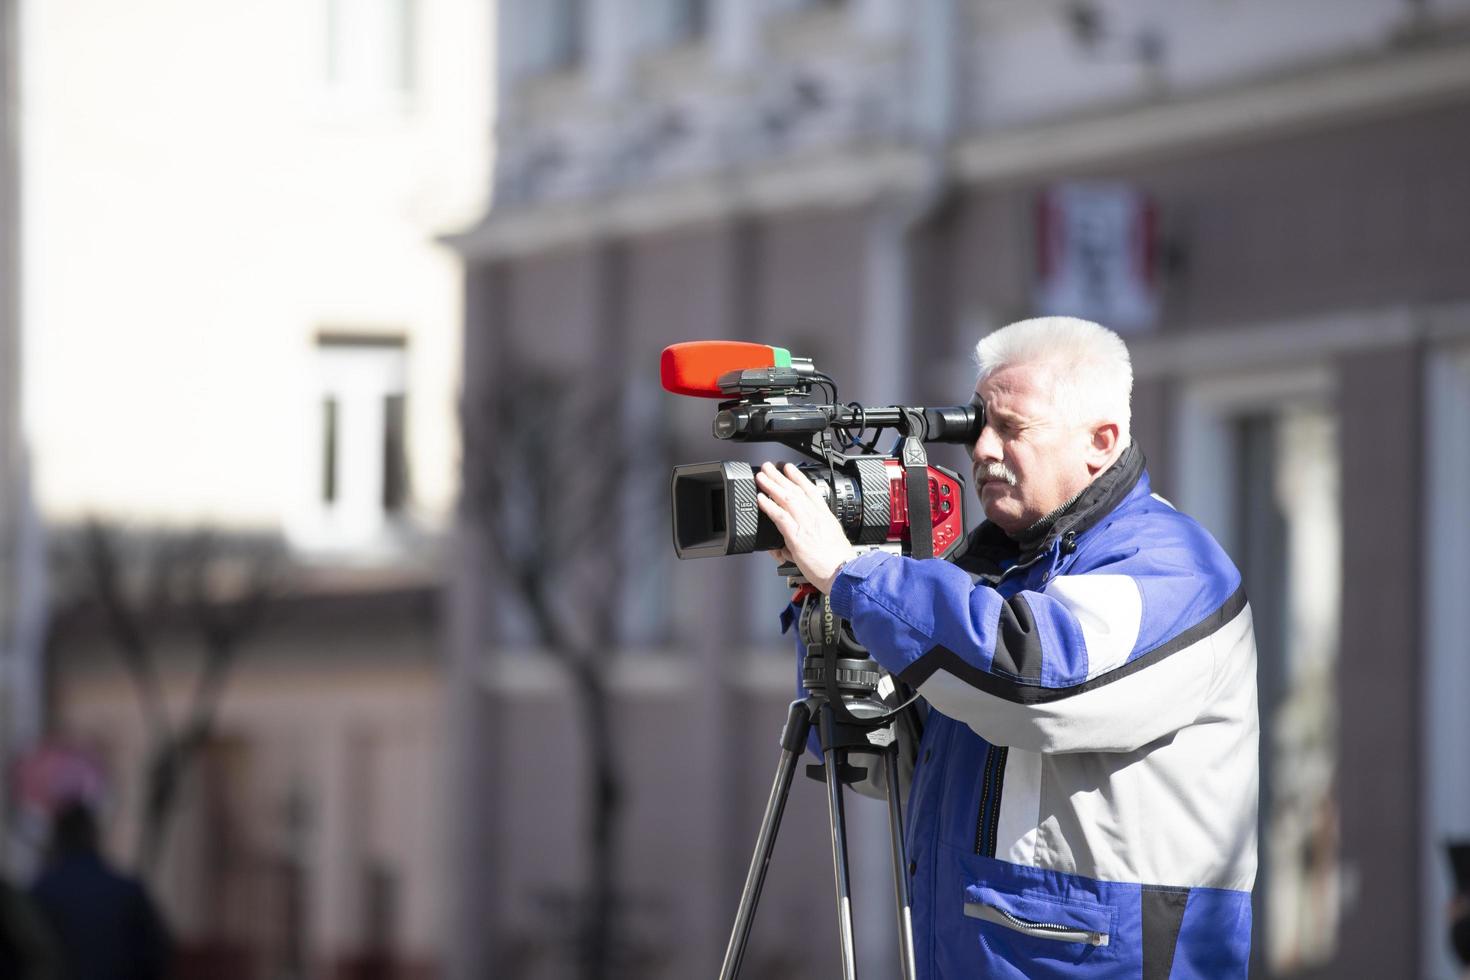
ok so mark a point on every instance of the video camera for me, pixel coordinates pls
(768, 397)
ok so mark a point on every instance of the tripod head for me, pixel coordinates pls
(838, 669)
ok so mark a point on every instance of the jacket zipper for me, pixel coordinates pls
(988, 823)
(989, 820)
(1041, 930)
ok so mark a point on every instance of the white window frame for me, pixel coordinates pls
(1201, 447)
(358, 376)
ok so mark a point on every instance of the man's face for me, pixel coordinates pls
(1026, 438)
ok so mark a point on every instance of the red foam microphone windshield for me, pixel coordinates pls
(694, 368)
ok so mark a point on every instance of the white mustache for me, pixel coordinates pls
(995, 471)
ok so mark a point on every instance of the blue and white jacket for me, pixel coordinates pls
(1084, 798)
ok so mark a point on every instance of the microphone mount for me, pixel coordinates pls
(768, 381)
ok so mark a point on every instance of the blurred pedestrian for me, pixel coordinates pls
(1458, 912)
(1459, 916)
(105, 924)
(27, 951)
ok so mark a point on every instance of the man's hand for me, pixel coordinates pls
(814, 539)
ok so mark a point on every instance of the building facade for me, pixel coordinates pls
(1269, 201)
(237, 318)
(9, 351)
(21, 591)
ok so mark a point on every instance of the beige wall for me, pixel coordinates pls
(355, 740)
(201, 202)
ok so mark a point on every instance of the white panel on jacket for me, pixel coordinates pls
(1109, 609)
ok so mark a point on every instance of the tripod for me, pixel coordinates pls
(844, 707)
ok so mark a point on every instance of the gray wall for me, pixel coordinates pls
(1379, 684)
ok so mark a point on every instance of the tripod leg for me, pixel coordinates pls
(839, 846)
(900, 871)
(793, 743)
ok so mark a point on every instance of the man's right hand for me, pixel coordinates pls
(814, 538)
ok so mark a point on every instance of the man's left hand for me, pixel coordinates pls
(814, 539)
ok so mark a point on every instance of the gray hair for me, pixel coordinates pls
(1092, 375)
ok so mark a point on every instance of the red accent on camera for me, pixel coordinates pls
(945, 513)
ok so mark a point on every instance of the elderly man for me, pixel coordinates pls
(1084, 801)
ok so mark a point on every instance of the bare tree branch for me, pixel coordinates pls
(134, 647)
(217, 589)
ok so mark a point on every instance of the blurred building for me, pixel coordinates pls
(237, 318)
(21, 592)
(9, 326)
(1269, 199)
(9, 352)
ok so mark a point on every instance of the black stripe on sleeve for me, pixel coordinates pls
(1030, 692)
(1018, 648)
(1163, 915)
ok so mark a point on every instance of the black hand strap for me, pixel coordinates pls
(916, 490)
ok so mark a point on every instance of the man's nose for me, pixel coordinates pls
(987, 447)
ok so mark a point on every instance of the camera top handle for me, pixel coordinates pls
(746, 421)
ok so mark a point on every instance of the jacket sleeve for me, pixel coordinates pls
(1114, 653)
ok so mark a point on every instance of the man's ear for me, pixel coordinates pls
(1102, 446)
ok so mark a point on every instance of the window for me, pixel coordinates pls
(644, 614)
(790, 5)
(395, 459)
(362, 476)
(1258, 465)
(665, 23)
(369, 58)
(550, 34)
(1289, 541)
(329, 450)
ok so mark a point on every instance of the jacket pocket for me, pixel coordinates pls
(1041, 918)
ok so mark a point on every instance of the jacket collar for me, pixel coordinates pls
(989, 549)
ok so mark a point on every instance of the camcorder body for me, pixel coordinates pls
(896, 502)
